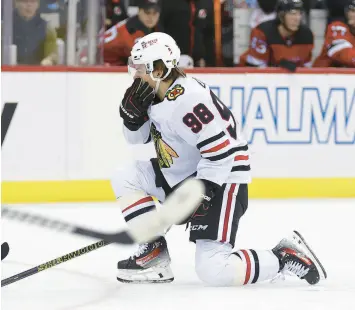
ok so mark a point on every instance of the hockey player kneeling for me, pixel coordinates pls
(195, 136)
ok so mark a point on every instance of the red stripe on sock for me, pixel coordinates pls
(247, 259)
(143, 200)
(228, 211)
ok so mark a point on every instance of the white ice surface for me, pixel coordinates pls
(89, 282)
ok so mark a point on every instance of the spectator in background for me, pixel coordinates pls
(56, 13)
(263, 13)
(120, 38)
(115, 12)
(335, 9)
(267, 11)
(282, 42)
(191, 24)
(227, 8)
(33, 36)
(339, 45)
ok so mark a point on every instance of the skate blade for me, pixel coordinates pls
(297, 237)
(156, 274)
(145, 281)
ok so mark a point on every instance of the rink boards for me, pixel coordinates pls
(65, 140)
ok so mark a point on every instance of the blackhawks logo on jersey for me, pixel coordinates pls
(164, 152)
(175, 92)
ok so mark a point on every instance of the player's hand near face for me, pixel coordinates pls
(136, 101)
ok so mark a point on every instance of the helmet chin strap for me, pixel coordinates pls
(157, 85)
(158, 80)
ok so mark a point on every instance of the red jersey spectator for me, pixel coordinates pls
(120, 38)
(339, 45)
(282, 42)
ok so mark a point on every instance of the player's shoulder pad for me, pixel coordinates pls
(187, 93)
(269, 28)
(186, 89)
(337, 25)
(338, 22)
(304, 35)
(175, 92)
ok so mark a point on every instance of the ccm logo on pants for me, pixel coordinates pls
(198, 227)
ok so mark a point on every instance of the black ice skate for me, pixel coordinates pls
(297, 258)
(151, 264)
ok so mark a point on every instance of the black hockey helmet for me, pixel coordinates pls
(284, 6)
(350, 5)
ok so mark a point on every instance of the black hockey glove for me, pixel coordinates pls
(289, 65)
(135, 104)
(211, 190)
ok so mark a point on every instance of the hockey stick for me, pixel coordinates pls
(61, 226)
(182, 203)
(4, 250)
(7, 115)
(55, 262)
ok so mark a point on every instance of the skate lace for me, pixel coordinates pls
(296, 268)
(290, 269)
(141, 249)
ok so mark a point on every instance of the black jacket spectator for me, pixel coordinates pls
(268, 6)
(115, 12)
(336, 9)
(191, 24)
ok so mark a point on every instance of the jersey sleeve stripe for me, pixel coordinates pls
(231, 152)
(217, 147)
(339, 47)
(241, 168)
(222, 156)
(210, 140)
(241, 157)
(255, 61)
(242, 148)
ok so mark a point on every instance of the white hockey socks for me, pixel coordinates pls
(260, 265)
(216, 265)
(134, 205)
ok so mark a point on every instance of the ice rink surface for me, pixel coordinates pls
(89, 282)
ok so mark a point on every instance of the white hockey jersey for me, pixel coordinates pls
(194, 133)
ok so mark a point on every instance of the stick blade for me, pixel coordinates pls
(178, 206)
(4, 250)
